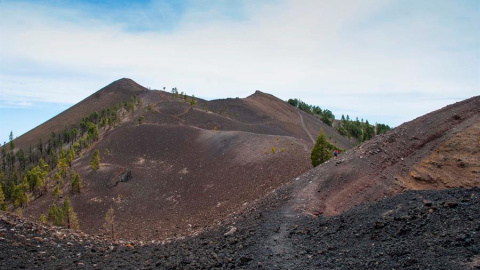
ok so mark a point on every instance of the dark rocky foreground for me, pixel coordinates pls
(413, 230)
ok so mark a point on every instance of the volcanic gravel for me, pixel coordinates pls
(412, 230)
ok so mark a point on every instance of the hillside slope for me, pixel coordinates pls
(188, 167)
(438, 150)
(354, 212)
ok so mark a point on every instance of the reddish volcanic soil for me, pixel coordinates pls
(436, 151)
(234, 177)
(191, 167)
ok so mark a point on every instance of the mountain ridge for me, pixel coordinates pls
(215, 186)
(191, 162)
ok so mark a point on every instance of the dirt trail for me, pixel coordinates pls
(278, 242)
(183, 113)
(280, 224)
(305, 128)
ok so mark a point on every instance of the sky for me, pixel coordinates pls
(382, 60)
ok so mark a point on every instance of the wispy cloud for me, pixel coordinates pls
(13, 104)
(329, 53)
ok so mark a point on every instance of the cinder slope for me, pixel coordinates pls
(438, 150)
(434, 229)
(191, 167)
(412, 230)
(277, 111)
(114, 93)
(267, 114)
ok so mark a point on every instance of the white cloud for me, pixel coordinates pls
(15, 104)
(315, 50)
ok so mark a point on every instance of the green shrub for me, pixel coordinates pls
(43, 219)
(322, 151)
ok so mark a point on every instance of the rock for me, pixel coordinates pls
(38, 239)
(451, 204)
(231, 231)
(59, 235)
(244, 260)
(427, 203)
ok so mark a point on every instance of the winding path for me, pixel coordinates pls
(278, 243)
(305, 128)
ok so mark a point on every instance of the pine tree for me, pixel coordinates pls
(21, 159)
(369, 131)
(62, 166)
(95, 161)
(69, 215)
(40, 146)
(55, 214)
(70, 157)
(51, 212)
(3, 206)
(43, 165)
(12, 144)
(35, 179)
(321, 152)
(56, 192)
(76, 183)
(73, 133)
(92, 133)
(192, 101)
(20, 193)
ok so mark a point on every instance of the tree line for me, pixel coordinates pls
(359, 129)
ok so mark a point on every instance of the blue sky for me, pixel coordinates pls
(382, 60)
